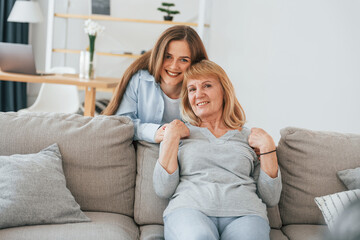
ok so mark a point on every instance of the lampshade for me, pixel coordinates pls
(26, 12)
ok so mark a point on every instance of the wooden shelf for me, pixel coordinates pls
(109, 18)
(97, 53)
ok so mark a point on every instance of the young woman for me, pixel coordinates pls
(150, 88)
(208, 167)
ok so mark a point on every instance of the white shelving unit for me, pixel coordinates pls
(200, 25)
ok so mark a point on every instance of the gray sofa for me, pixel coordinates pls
(110, 177)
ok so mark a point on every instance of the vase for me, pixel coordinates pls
(87, 65)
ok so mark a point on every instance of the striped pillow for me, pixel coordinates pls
(100, 105)
(333, 205)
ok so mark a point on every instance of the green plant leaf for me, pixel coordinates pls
(163, 10)
(168, 4)
(174, 12)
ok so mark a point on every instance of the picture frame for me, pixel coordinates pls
(101, 7)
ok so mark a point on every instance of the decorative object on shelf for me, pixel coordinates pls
(100, 7)
(169, 12)
(84, 67)
(87, 63)
(26, 12)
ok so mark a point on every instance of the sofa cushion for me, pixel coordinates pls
(148, 208)
(309, 161)
(276, 234)
(150, 232)
(273, 215)
(350, 177)
(98, 155)
(304, 231)
(104, 226)
(33, 190)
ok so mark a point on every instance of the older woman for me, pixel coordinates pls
(218, 175)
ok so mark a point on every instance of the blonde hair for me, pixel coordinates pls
(153, 60)
(233, 114)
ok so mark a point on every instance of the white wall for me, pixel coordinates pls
(293, 63)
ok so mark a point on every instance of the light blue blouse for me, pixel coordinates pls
(144, 104)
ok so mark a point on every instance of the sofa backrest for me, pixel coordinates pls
(148, 208)
(309, 161)
(98, 154)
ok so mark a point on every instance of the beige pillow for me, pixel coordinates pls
(98, 155)
(309, 161)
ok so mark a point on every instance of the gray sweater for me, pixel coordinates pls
(221, 177)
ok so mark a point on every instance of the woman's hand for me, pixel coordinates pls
(159, 135)
(176, 129)
(262, 142)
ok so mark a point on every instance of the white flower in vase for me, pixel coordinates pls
(92, 28)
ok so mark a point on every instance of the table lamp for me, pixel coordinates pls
(25, 12)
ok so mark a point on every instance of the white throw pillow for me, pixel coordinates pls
(333, 205)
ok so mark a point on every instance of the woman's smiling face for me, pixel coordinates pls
(177, 59)
(206, 97)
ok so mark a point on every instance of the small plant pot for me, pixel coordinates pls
(168, 18)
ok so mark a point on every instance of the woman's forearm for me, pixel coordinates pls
(170, 145)
(264, 144)
(269, 163)
(168, 153)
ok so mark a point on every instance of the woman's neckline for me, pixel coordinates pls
(173, 91)
(211, 136)
(169, 98)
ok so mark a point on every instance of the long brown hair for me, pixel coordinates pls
(153, 60)
(233, 114)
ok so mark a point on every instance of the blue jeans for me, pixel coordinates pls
(191, 224)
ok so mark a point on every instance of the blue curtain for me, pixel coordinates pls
(12, 94)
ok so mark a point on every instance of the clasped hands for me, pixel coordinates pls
(176, 129)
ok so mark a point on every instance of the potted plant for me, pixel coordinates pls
(169, 12)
